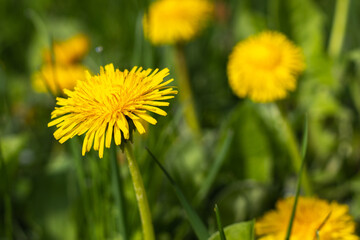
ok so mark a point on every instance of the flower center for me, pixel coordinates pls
(265, 56)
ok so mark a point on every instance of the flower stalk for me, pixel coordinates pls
(140, 193)
(338, 27)
(186, 96)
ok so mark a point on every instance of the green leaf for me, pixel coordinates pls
(195, 221)
(237, 231)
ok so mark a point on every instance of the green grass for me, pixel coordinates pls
(241, 161)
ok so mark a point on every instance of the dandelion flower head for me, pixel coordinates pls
(331, 220)
(69, 51)
(264, 67)
(57, 78)
(172, 21)
(104, 106)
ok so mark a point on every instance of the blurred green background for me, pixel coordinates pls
(48, 192)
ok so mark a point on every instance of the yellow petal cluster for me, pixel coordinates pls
(56, 78)
(173, 21)
(69, 51)
(331, 220)
(102, 106)
(65, 69)
(264, 67)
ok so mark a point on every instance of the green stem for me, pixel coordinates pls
(7, 199)
(219, 223)
(186, 96)
(295, 154)
(140, 193)
(58, 89)
(8, 217)
(298, 185)
(274, 14)
(338, 27)
(116, 182)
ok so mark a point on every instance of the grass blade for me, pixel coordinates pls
(303, 153)
(218, 220)
(219, 160)
(304, 141)
(7, 198)
(195, 221)
(117, 186)
(252, 237)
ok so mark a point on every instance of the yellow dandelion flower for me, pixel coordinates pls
(57, 78)
(332, 220)
(264, 67)
(108, 103)
(172, 21)
(69, 51)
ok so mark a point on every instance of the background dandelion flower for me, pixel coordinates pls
(69, 51)
(264, 67)
(57, 78)
(172, 21)
(102, 106)
(312, 214)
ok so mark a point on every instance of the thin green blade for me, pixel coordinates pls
(118, 194)
(195, 221)
(215, 168)
(303, 153)
(218, 220)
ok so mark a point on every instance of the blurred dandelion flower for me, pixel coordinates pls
(57, 78)
(264, 67)
(103, 105)
(69, 51)
(331, 220)
(172, 21)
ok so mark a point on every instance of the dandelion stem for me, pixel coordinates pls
(53, 67)
(140, 193)
(185, 90)
(338, 27)
(274, 14)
